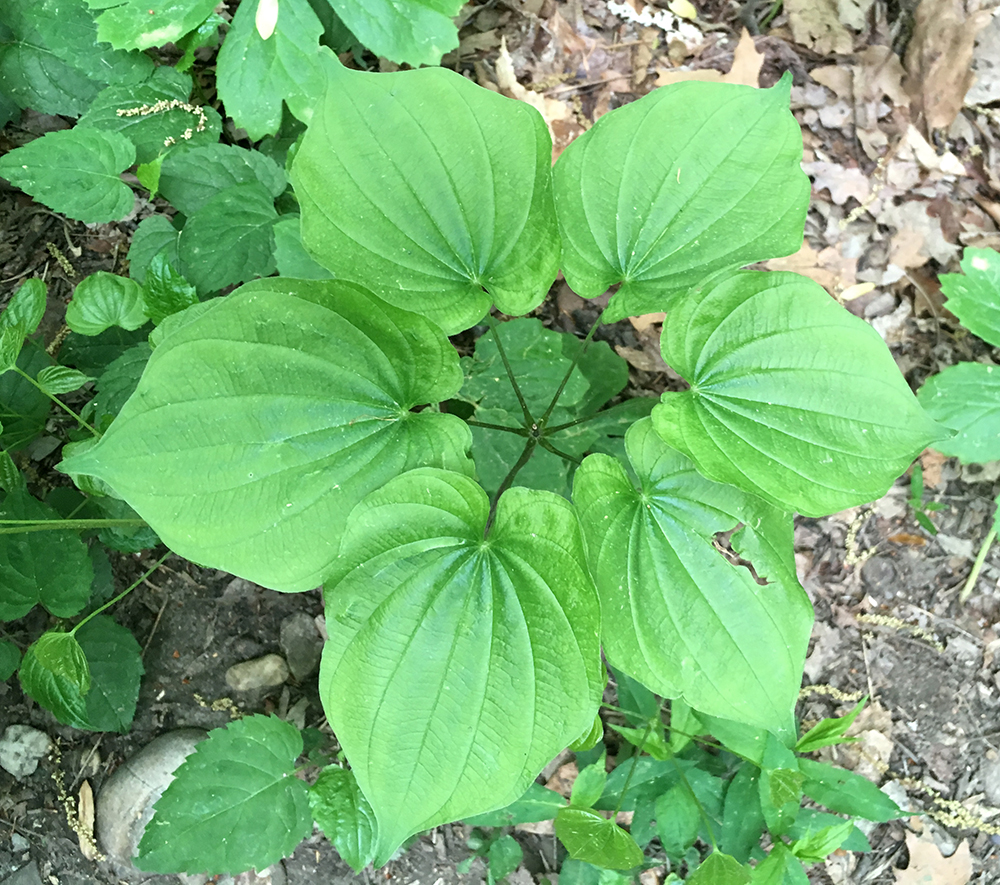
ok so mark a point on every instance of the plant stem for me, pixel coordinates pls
(559, 427)
(631, 771)
(124, 592)
(23, 526)
(545, 444)
(58, 402)
(508, 481)
(530, 422)
(520, 431)
(977, 566)
(562, 384)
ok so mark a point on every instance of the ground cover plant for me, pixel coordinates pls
(482, 528)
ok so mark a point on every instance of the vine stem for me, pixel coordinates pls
(631, 771)
(510, 372)
(57, 401)
(23, 526)
(562, 384)
(508, 481)
(520, 431)
(977, 566)
(124, 592)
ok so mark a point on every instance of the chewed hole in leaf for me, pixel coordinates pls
(722, 542)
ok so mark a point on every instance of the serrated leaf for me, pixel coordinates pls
(26, 308)
(457, 212)
(828, 732)
(678, 615)
(153, 235)
(233, 804)
(269, 379)
(55, 693)
(105, 299)
(115, 662)
(437, 633)
(792, 397)
(596, 840)
(667, 190)
(742, 820)
(61, 379)
(117, 383)
(61, 655)
(678, 819)
(11, 341)
(23, 407)
(975, 297)
(589, 784)
(966, 398)
(10, 658)
(11, 479)
(75, 172)
(538, 803)
(414, 32)
(142, 24)
(847, 793)
(256, 75)
(719, 869)
(190, 178)
(164, 290)
(290, 256)
(344, 815)
(50, 567)
(229, 239)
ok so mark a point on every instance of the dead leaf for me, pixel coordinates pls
(932, 461)
(745, 70)
(828, 267)
(854, 13)
(841, 181)
(839, 79)
(939, 59)
(85, 822)
(816, 24)
(986, 65)
(562, 780)
(641, 323)
(929, 867)
(643, 360)
(918, 237)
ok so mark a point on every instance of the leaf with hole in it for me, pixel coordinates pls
(974, 297)
(25, 309)
(966, 398)
(164, 290)
(143, 24)
(103, 300)
(61, 655)
(61, 379)
(437, 633)
(255, 75)
(344, 815)
(414, 32)
(665, 191)
(792, 398)
(233, 804)
(230, 239)
(596, 840)
(434, 191)
(259, 424)
(75, 172)
(680, 616)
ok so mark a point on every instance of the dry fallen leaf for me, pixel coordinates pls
(828, 267)
(85, 819)
(816, 24)
(745, 71)
(929, 867)
(932, 461)
(562, 780)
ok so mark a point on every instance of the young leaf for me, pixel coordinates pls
(816, 846)
(742, 818)
(11, 479)
(105, 299)
(54, 692)
(10, 658)
(846, 793)
(719, 869)
(538, 803)
(780, 786)
(232, 805)
(646, 740)
(75, 172)
(437, 633)
(414, 32)
(828, 732)
(457, 212)
(259, 424)
(61, 655)
(678, 615)
(684, 725)
(343, 814)
(792, 397)
(25, 309)
(504, 857)
(255, 75)
(966, 398)
(165, 291)
(591, 739)
(975, 297)
(596, 840)
(142, 24)
(678, 819)
(589, 784)
(810, 821)
(724, 157)
(780, 867)
(61, 379)
(115, 662)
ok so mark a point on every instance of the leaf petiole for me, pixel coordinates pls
(56, 400)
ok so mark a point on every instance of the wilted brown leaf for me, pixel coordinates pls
(816, 24)
(929, 867)
(828, 267)
(745, 70)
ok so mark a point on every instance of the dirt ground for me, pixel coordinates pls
(905, 162)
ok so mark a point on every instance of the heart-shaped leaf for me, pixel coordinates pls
(259, 424)
(104, 299)
(791, 397)
(975, 296)
(966, 398)
(596, 840)
(676, 614)
(344, 815)
(417, 32)
(437, 634)
(432, 191)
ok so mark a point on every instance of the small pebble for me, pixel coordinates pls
(21, 747)
(991, 781)
(264, 672)
(19, 843)
(301, 643)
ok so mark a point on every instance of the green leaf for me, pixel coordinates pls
(665, 191)
(538, 803)
(437, 633)
(11, 341)
(61, 379)
(343, 814)
(719, 869)
(190, 178)
(591, 739)
(115, 662)
(816, 846)
(232, 805)
(259, 424)
(23, 407)
(61, 655)
(678, 615)
(165, 291)
(10, 658)
(153, 235)
(26, 308)
(457, 211)
(647, 740)
(678, 819)
(966, 398)
(975, 297)
(142, 24)
(847, 793)
(50, 567)
(54, 692)
(105, 299)
(94, 354)
(75, 172)
(810, 821)
(255, 75)
(596, 840)
(155, 115)
(414, 32)
(742, 819)
(791, 397)
(290, 255)
(11, 479)
(828, 732)
(205, 35)
(780, 867)
(780, 786)
(589, 784)
(684, 725)
(229, 239)
(504, 857)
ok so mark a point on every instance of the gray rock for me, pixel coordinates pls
(125, 803)
(19, 843)
(991, 780)
(27, 875)
(301, 643)
(264, 672)
(20, 749)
